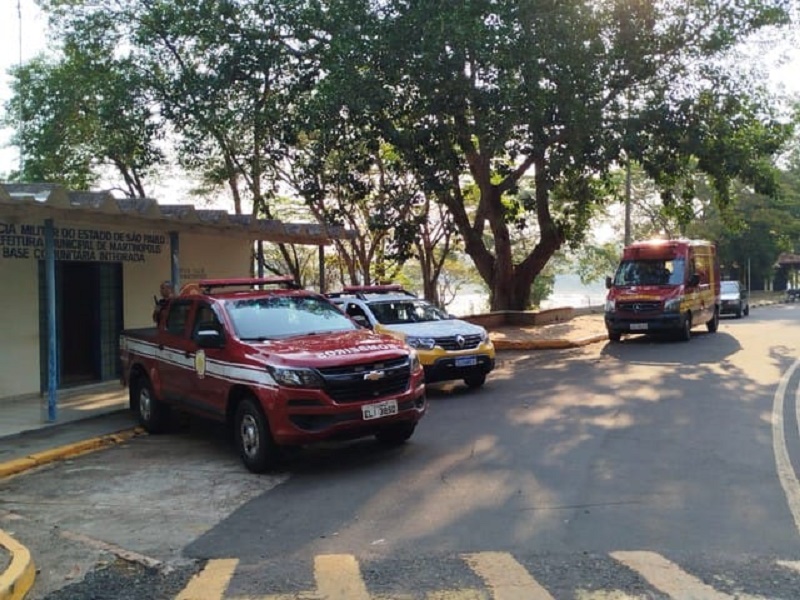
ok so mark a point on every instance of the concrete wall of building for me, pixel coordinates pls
(145, 256)
(19, 315)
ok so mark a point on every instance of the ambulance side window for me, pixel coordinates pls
(690, 270)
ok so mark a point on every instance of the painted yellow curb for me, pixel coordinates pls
(38, 459)
(20, 575)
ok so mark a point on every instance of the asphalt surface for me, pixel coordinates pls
(29, 450)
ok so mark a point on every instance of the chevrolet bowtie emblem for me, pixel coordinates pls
(374, 376)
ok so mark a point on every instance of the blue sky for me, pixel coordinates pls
(32, 26)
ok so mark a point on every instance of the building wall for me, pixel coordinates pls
(19, 340)
(145, 256)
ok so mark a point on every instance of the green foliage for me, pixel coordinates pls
(81, 115)
(568, 89)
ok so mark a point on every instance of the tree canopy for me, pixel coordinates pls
(534, 104)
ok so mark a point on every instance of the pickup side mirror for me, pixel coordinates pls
(609, 282)
(209, 338)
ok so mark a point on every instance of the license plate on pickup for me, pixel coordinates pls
(466, 361)
(638, 326)
(379, 409)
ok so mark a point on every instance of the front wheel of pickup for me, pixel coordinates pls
(153, 414)
(396, 435)
(253, 438)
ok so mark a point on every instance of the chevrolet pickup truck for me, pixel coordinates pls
(279, 365)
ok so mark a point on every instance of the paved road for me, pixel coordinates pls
(644, 469)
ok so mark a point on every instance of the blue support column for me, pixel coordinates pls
(175, 260)
(52, 331)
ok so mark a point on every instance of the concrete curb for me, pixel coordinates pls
(548, 344)
(21, 573)
(38, 459)
(19, 577)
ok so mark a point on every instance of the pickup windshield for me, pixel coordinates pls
(275, 317)
(650, 272)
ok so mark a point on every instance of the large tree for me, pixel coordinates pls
(85, 115)
(488, 91)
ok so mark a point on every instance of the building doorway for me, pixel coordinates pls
(88, 322)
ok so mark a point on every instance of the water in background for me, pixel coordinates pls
(567, 291)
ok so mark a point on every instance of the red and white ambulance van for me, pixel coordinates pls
(664, 286)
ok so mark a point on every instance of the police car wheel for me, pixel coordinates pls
(475, 380)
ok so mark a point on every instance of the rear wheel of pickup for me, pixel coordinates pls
(253, 438)
(395, 435)
(153, 415)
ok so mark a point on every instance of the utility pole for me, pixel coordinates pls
(19, 125)
(627, 201)
(627, 174)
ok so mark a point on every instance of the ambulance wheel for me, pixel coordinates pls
(253, 437)
(713, 324)
(152, 414)
(395, 435)
(686, 329)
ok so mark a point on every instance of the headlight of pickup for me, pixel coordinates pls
(415, 364)
(610, 305)
(422, 343)
(289, 377)
(673, 304)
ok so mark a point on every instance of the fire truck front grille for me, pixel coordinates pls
(639, 307)
(356, 383)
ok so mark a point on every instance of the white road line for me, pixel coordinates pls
(339, 578)
(507, 579)
(789, 564)
(667, 577)
(210, 583)
(786, 474)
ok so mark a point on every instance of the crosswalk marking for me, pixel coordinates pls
(210, 583)
(339, 578)
(507, 579)
(668, 577)
(463, 594)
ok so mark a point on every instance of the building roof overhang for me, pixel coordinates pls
(40, 200)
